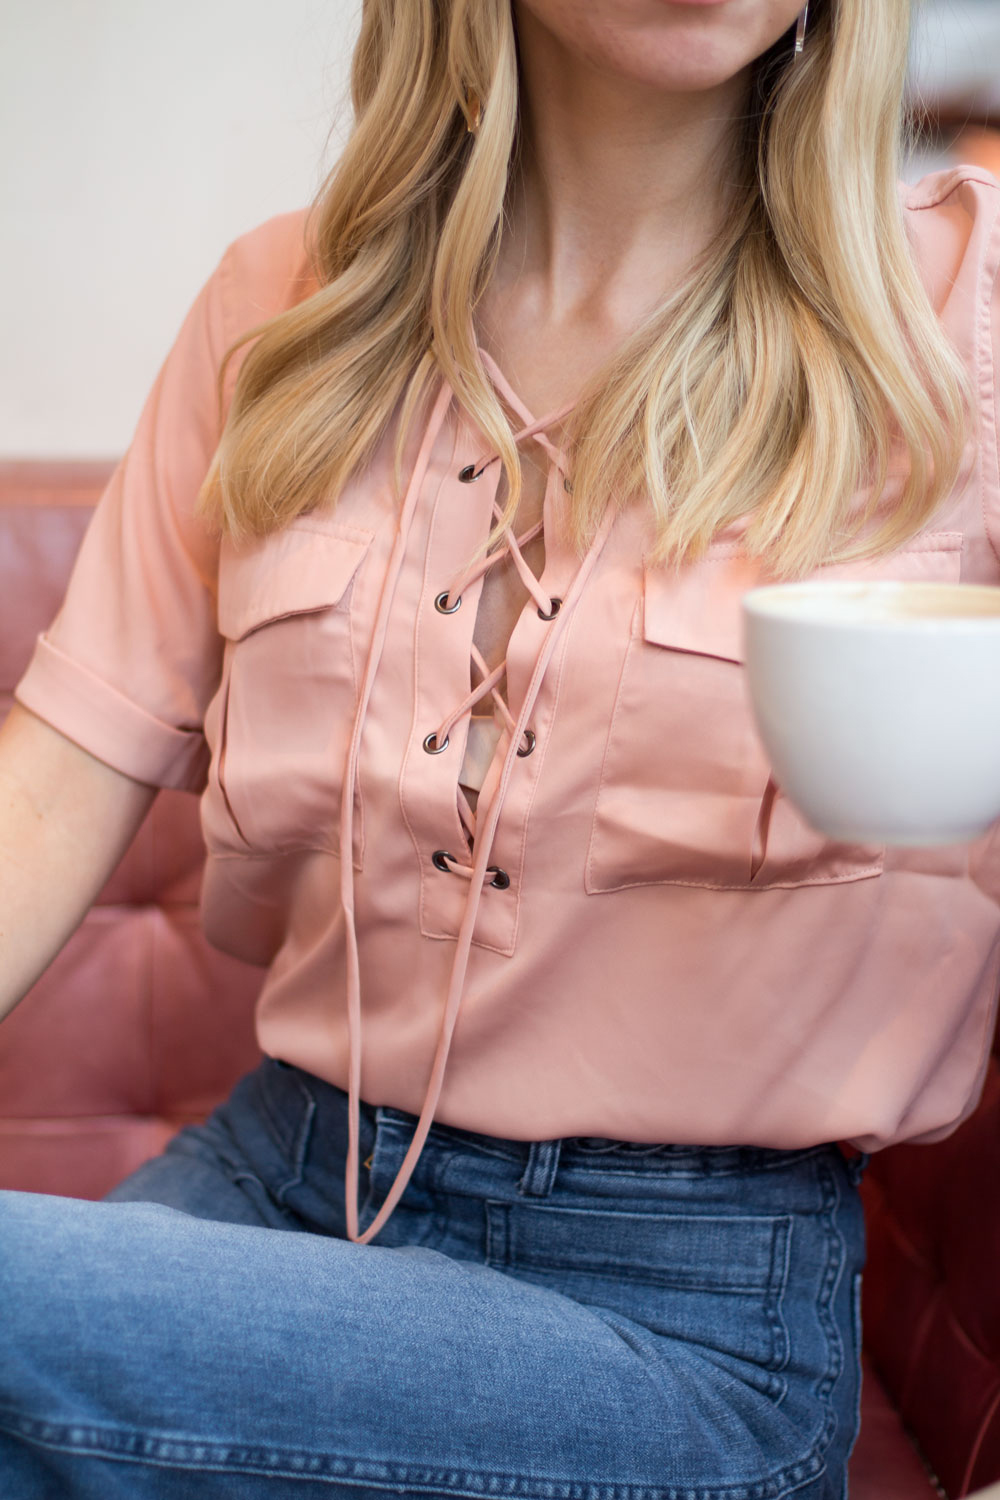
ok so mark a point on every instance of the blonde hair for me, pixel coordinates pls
(798, 363)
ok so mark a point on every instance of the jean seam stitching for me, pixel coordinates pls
(299, 1143)
(832, 1276)
(781, 1344)
(694, 1174)
(273, 1122)
(134, 1446)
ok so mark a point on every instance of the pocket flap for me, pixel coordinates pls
(295, 571)
(699, 608)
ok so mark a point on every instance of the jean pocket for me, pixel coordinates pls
(713, 1280)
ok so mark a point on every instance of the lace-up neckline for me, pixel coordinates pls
(450, 599)
(480, 826)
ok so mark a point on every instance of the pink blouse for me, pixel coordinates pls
(621, 942)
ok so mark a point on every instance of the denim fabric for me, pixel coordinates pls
(580, 1319)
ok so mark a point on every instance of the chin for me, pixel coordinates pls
(689, 68)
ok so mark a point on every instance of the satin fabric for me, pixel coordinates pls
(673, 954)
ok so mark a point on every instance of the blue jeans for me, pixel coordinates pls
(578, 1319)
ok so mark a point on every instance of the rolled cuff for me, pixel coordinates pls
(102, 721)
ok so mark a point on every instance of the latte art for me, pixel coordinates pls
(881, 603)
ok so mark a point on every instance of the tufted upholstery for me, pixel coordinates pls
(139, 1026)
(932, 1292)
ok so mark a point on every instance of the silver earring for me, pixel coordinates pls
(800, 31)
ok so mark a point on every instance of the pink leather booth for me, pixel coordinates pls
(139, 1027)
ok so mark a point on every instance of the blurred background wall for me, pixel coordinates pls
(137, 138)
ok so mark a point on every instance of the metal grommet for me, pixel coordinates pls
(556, 605)
(441, 605)
(529, 735)
(431, 745)
(469, 474)
(568, 485)
(438, 860)
(501, 880)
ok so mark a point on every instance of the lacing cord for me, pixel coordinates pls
(450, 599)
(353, 977)
(536, 430)
(511, 547)
(480, 869)
(491, 677)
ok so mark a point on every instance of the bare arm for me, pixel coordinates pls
(66, 819)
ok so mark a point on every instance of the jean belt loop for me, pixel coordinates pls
(378, 1135)
(855, 1160)
(540, 1169)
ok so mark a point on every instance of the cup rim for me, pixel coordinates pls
(765, 602)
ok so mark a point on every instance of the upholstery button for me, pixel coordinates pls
(432, 747)
(555, 606)
(443, 607)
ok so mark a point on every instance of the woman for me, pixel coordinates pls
(609, 310)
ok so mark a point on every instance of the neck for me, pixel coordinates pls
(620, 185)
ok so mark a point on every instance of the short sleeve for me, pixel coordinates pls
(132, 659)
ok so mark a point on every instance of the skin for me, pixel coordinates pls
(628, 109)
(66, 819)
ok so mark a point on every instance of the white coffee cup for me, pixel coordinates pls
(879, 705)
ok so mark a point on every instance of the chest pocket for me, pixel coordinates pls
(686, 795)
(281, 722)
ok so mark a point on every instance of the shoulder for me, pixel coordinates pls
(952, 221)
(964, 191)
(264, 272)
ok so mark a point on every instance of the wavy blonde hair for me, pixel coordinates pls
(798, 364)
